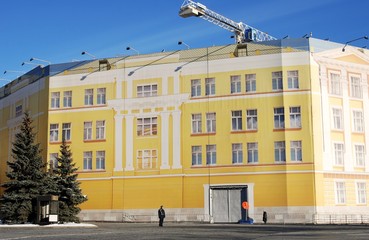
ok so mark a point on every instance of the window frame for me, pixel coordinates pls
(196, 155)
(277, 81)
(279, 118)
(87, 131)
(147, 126)
(335, 83)
(236, 120)
(210, 86)
(339, 153)
(101, 96)
(196, 123)
(67, 131)
(54, 132)
(356, 87)
(340, 192)
(293, 79)
(100, 160)
(100, 129)
(251, 119)
(87, 160)
(252, 152)
(295, 117)
(89, 97)
(211, 124)
(280, 151)
(195, 88)
(237, 153)
(235, 81)
(296, 151)
(211, 154)
(250, 81)
(55, 100)
(147, 90)
(147, 159)
(67, 99)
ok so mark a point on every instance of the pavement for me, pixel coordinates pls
(181, 231)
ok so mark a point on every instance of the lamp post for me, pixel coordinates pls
(40, 60)
(131, 48)
(181, 42)
(29, 63)
(363, 37)
(89, 54)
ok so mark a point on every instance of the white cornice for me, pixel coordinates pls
(148, 102)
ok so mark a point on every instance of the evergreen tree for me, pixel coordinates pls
(70, 194)
(26, 176)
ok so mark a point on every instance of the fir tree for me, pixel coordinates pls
(26, 176)
(70, 194)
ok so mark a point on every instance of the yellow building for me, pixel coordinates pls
(213, 134)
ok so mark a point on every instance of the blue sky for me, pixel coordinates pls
(59, 30)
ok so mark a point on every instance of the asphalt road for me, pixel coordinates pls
(112, 231)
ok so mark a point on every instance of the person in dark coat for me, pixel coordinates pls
(161, 215)
(265, 217)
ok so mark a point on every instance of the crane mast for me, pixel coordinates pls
(242, 31)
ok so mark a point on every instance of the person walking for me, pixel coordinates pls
(265, 217)
(161, 215)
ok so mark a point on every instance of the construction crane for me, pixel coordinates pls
(243, 32)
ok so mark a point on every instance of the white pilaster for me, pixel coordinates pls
(346, 111)
(176, 116)
(164, 140)
(118, 88)
(129, 142)
(118, 142)
(164, 85)
(129, 89)
(176, 83)
(326, 125)
(366, 118)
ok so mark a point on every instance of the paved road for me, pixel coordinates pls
(181, 231)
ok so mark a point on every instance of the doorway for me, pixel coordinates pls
(226, 204)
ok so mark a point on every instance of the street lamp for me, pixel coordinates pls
(364, 37)
(131, 48)
(181, 42)
(29, 63)
(40, 60)
(89, 54)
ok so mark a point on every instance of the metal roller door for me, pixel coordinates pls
(226, 205)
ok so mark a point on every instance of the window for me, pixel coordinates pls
(358, 121)
(293, 79)
(279, 118)
(87, 160)
(250, 82)
(211, 154)
(338, 153)
(147, 90)
(67, 99)
(340, 193)
(89, 97)
(252, 153)
(101, 96)
(337, 118)
(195, 88)
(147, 126)
(18, 110)
(196, 123)
(336, 88)
(236, 120)
(295, 117)
(66, 134)
(147, 159)
(277, 81)
(237, 154)
(280, 151)
(55, 100)
(296, 151)
(356, 89)
(87, 131)
(100, 129)
(235, 84)
(196, 155)
(361, 192)
(252, 119)
(209, 86)
(53, 161)
(100, 160)
(211, 126)
(54, 132)
(359, 155)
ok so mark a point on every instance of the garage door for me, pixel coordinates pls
(226, 205)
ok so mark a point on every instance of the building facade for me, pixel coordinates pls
(215, 134)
